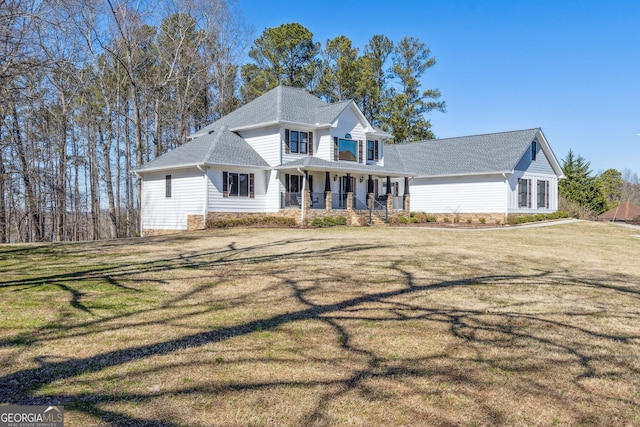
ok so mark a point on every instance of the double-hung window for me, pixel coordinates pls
(543, 194)
(524, 193)
(238, 184)
(373, 148)
(298, 142)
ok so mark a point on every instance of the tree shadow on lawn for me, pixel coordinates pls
(479, 331)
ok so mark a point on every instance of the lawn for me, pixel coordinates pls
(338, 326)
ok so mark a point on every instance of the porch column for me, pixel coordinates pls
(328, 196)
(349, 191)
(370, 194)
(389, 195)
(406, 198)
(306, 197)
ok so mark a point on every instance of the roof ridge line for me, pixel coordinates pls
(480, 134)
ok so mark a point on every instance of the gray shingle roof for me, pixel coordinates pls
(467, 155)
(221, 147)
(281, 104)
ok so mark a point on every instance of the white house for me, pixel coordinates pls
(290, 153)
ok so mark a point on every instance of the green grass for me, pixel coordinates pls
(333, 326)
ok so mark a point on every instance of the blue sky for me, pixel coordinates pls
(569, 67)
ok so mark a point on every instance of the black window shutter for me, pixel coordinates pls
(251, 185)
(311, 143)
(360, 149)
(528, 193)
(376, 149)
(286, 183)
(225, 184)
(546, 194)
(335, 148)
(286, 141)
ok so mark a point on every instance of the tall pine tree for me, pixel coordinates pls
(579, 186)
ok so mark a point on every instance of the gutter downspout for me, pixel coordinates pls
(138, 176)
(506, 211)
(304, 187)
(206, 195)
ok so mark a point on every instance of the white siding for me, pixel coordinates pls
(266, 142)
(272, 191)
(458, 194)
(187, 198)
(324, 145)
(259, 203)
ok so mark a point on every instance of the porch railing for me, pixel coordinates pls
(317, 200)
(398, 202)
(338, 201)
(295, 200)
(360, 205)
(380, 210)
(290, 200)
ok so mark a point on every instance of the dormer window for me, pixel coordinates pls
(534, 150)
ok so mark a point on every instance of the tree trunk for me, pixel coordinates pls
(34, 230)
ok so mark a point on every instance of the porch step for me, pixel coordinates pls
(376, 220)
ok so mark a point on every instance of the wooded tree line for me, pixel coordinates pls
(586, 195)
(93, 89)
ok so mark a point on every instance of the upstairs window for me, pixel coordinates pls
(534, 150)
(373, 151)
(298, 142)
(348, 150)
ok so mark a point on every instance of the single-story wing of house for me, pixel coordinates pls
(289, 153)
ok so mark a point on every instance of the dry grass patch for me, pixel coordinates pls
(328, 327)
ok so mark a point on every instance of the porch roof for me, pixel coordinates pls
(321, 165)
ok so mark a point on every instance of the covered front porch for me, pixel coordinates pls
(345, 187)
